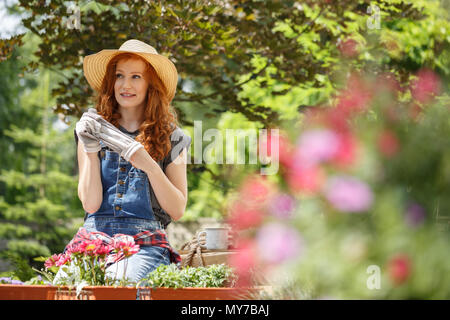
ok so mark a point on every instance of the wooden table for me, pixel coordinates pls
(209, 257)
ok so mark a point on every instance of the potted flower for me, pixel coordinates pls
(214, 282)
(83, 266)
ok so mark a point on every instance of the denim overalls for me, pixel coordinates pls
(126, 208)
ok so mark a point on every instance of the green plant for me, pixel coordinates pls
(170, 276)
(22, 271)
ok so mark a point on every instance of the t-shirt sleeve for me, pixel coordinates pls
(179, 141)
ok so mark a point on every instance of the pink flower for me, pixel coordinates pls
(336, 119)
(399, 268)
(304, 178)
(282, 205)
(355, 97)
(103, 250)
(426, 86)
(255, 190)
(127, 247)
(278, 243)
(349, 48)
(325, 145)
(348, 194)
(50, 262)
(346, 153)
(75, 249)
(62, 259)
(316, 145)
(244, 261)
(90, 247)
(254, 194)
(242, 216)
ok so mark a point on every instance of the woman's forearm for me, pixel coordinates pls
(89, 183)
(169, 197)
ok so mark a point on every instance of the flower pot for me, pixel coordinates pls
(201, 293)
(99, 293)
(112, 293)
(26, 292)
(65, 293)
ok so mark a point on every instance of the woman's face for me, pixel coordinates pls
(130, 88)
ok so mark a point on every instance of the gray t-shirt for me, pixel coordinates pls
(179, 141)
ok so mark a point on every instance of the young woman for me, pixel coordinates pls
(135, 86)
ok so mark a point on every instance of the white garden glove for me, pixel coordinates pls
(84, 127)
(103, 130)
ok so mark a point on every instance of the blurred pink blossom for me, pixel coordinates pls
(348, 194)
(325, 145)
(305, 178)
(278, 243)
(335, 119)
(242, 216)
(356, 97)
(282, 205)
(425, 86)
(256, 189)
(248, 210)
(348, 48)
(244, 261)
(316, 145)
(346, 154)
(399, 268)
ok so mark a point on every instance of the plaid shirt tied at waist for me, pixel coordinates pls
(143, 239)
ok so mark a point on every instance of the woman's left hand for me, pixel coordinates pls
(142, 160)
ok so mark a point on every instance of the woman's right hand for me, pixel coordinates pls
(84, 133)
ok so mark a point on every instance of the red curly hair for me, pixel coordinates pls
(160, 117)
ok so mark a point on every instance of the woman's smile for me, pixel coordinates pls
(127, 95)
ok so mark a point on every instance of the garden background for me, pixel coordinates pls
(253, 65)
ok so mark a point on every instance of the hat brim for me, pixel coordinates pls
(94, 68)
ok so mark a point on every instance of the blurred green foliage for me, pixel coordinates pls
(38, 198)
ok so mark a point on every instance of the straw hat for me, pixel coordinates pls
(94, 65)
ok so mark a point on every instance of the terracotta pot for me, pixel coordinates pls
(65, 293)
(43, 292)
(99, 293)
(26, 292)
(111, 293)
(201, 293)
